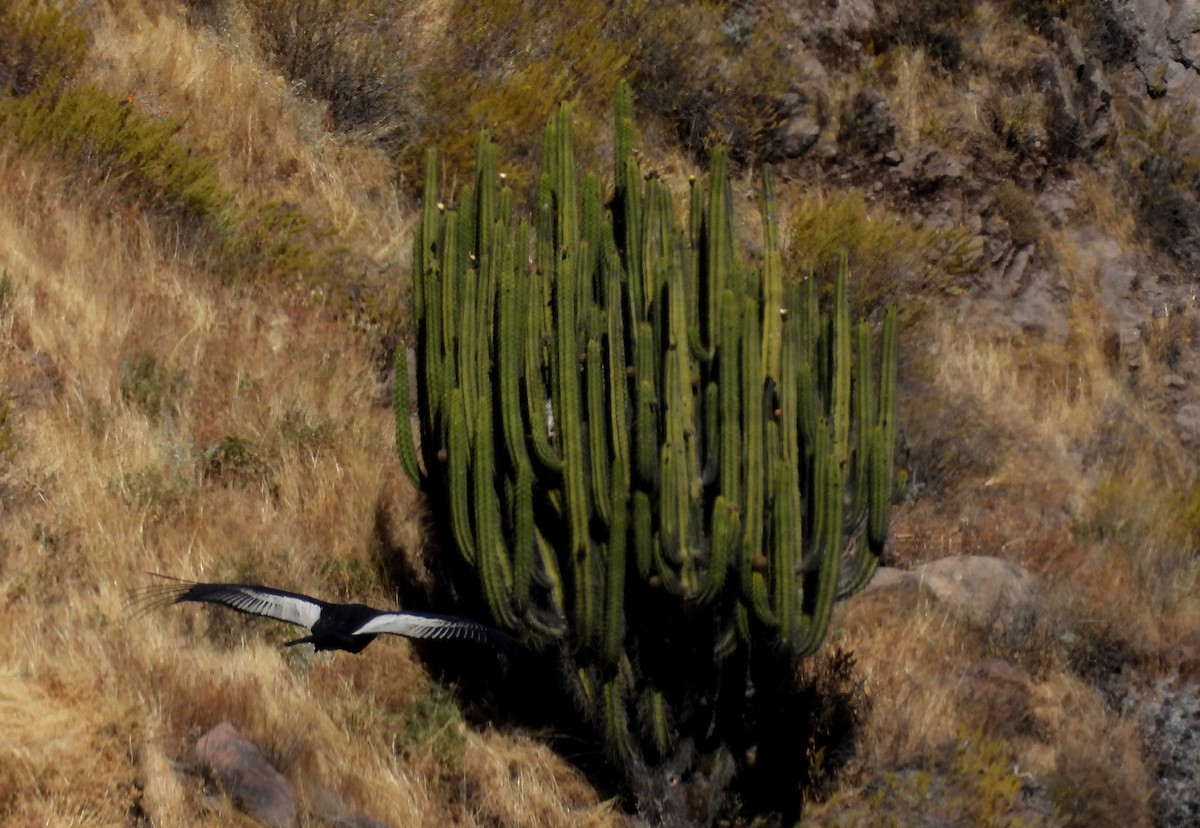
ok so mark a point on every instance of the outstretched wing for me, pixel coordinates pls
(252, 600)
(424, 625)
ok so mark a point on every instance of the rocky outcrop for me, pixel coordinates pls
(982, 592)
(247, 777)
(1165, 38)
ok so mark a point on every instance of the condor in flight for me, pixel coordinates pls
(349, 627)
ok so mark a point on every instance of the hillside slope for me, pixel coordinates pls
(194, 352)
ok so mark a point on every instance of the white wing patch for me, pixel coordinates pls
(294, 609)
(419, 625)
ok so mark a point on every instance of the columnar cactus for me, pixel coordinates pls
(650, 453)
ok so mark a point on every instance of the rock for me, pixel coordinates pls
(1187, 420)
(981, 591)
(1062, 120)
(244, 773)
(1070, 45)
(1170, 719)
(1078, 96)
(984, 591)
(804, 108)
(798, 136)
(867, 125)
(1165, 47)
(928, 168)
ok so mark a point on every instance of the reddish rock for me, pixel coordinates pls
(247, 777)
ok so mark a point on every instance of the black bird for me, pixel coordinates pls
(349, 627)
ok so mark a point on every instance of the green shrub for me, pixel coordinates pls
(1162, 165)
(936, 26)
(101, 138)
(1016, 207)
(159, 492)
(236, 461)
(149, 385)
(8, 440)
(883, 250)
(42, 45)
(972, 782)
(275, 239)
(434, 726)
(86, 126)
(508, 64)
(7, 290)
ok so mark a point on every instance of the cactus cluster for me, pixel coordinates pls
(649, 453)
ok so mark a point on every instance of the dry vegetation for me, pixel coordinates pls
(164, 421)
(161, 418)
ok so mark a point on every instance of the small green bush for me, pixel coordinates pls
(42, 45)
(274, 238)
(434, 725)
(149, 385)
(883, 250)
(8, 440)
(7, 290)
(508, 64)
(973, 782)
(936, 26)
(236, 461)
(101, 138)
(1015, 207)
(160, 493)
(90, 129)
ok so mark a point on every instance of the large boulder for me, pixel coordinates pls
(867, 125)
(247, 777)
(987, 593)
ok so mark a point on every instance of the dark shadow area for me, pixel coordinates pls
(521, 689)
(770, 745)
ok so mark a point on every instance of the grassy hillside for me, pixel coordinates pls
(194, 340)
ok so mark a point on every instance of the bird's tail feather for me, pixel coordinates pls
(140, 601)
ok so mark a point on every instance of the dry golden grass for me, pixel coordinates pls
(913, 660)
(99, 707)
(271, 143)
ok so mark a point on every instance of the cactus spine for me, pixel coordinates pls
(628, 427)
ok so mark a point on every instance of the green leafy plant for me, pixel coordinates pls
(236, 461)
(1162, 164)
(507, 63)
(656, 462)
(104, 140)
